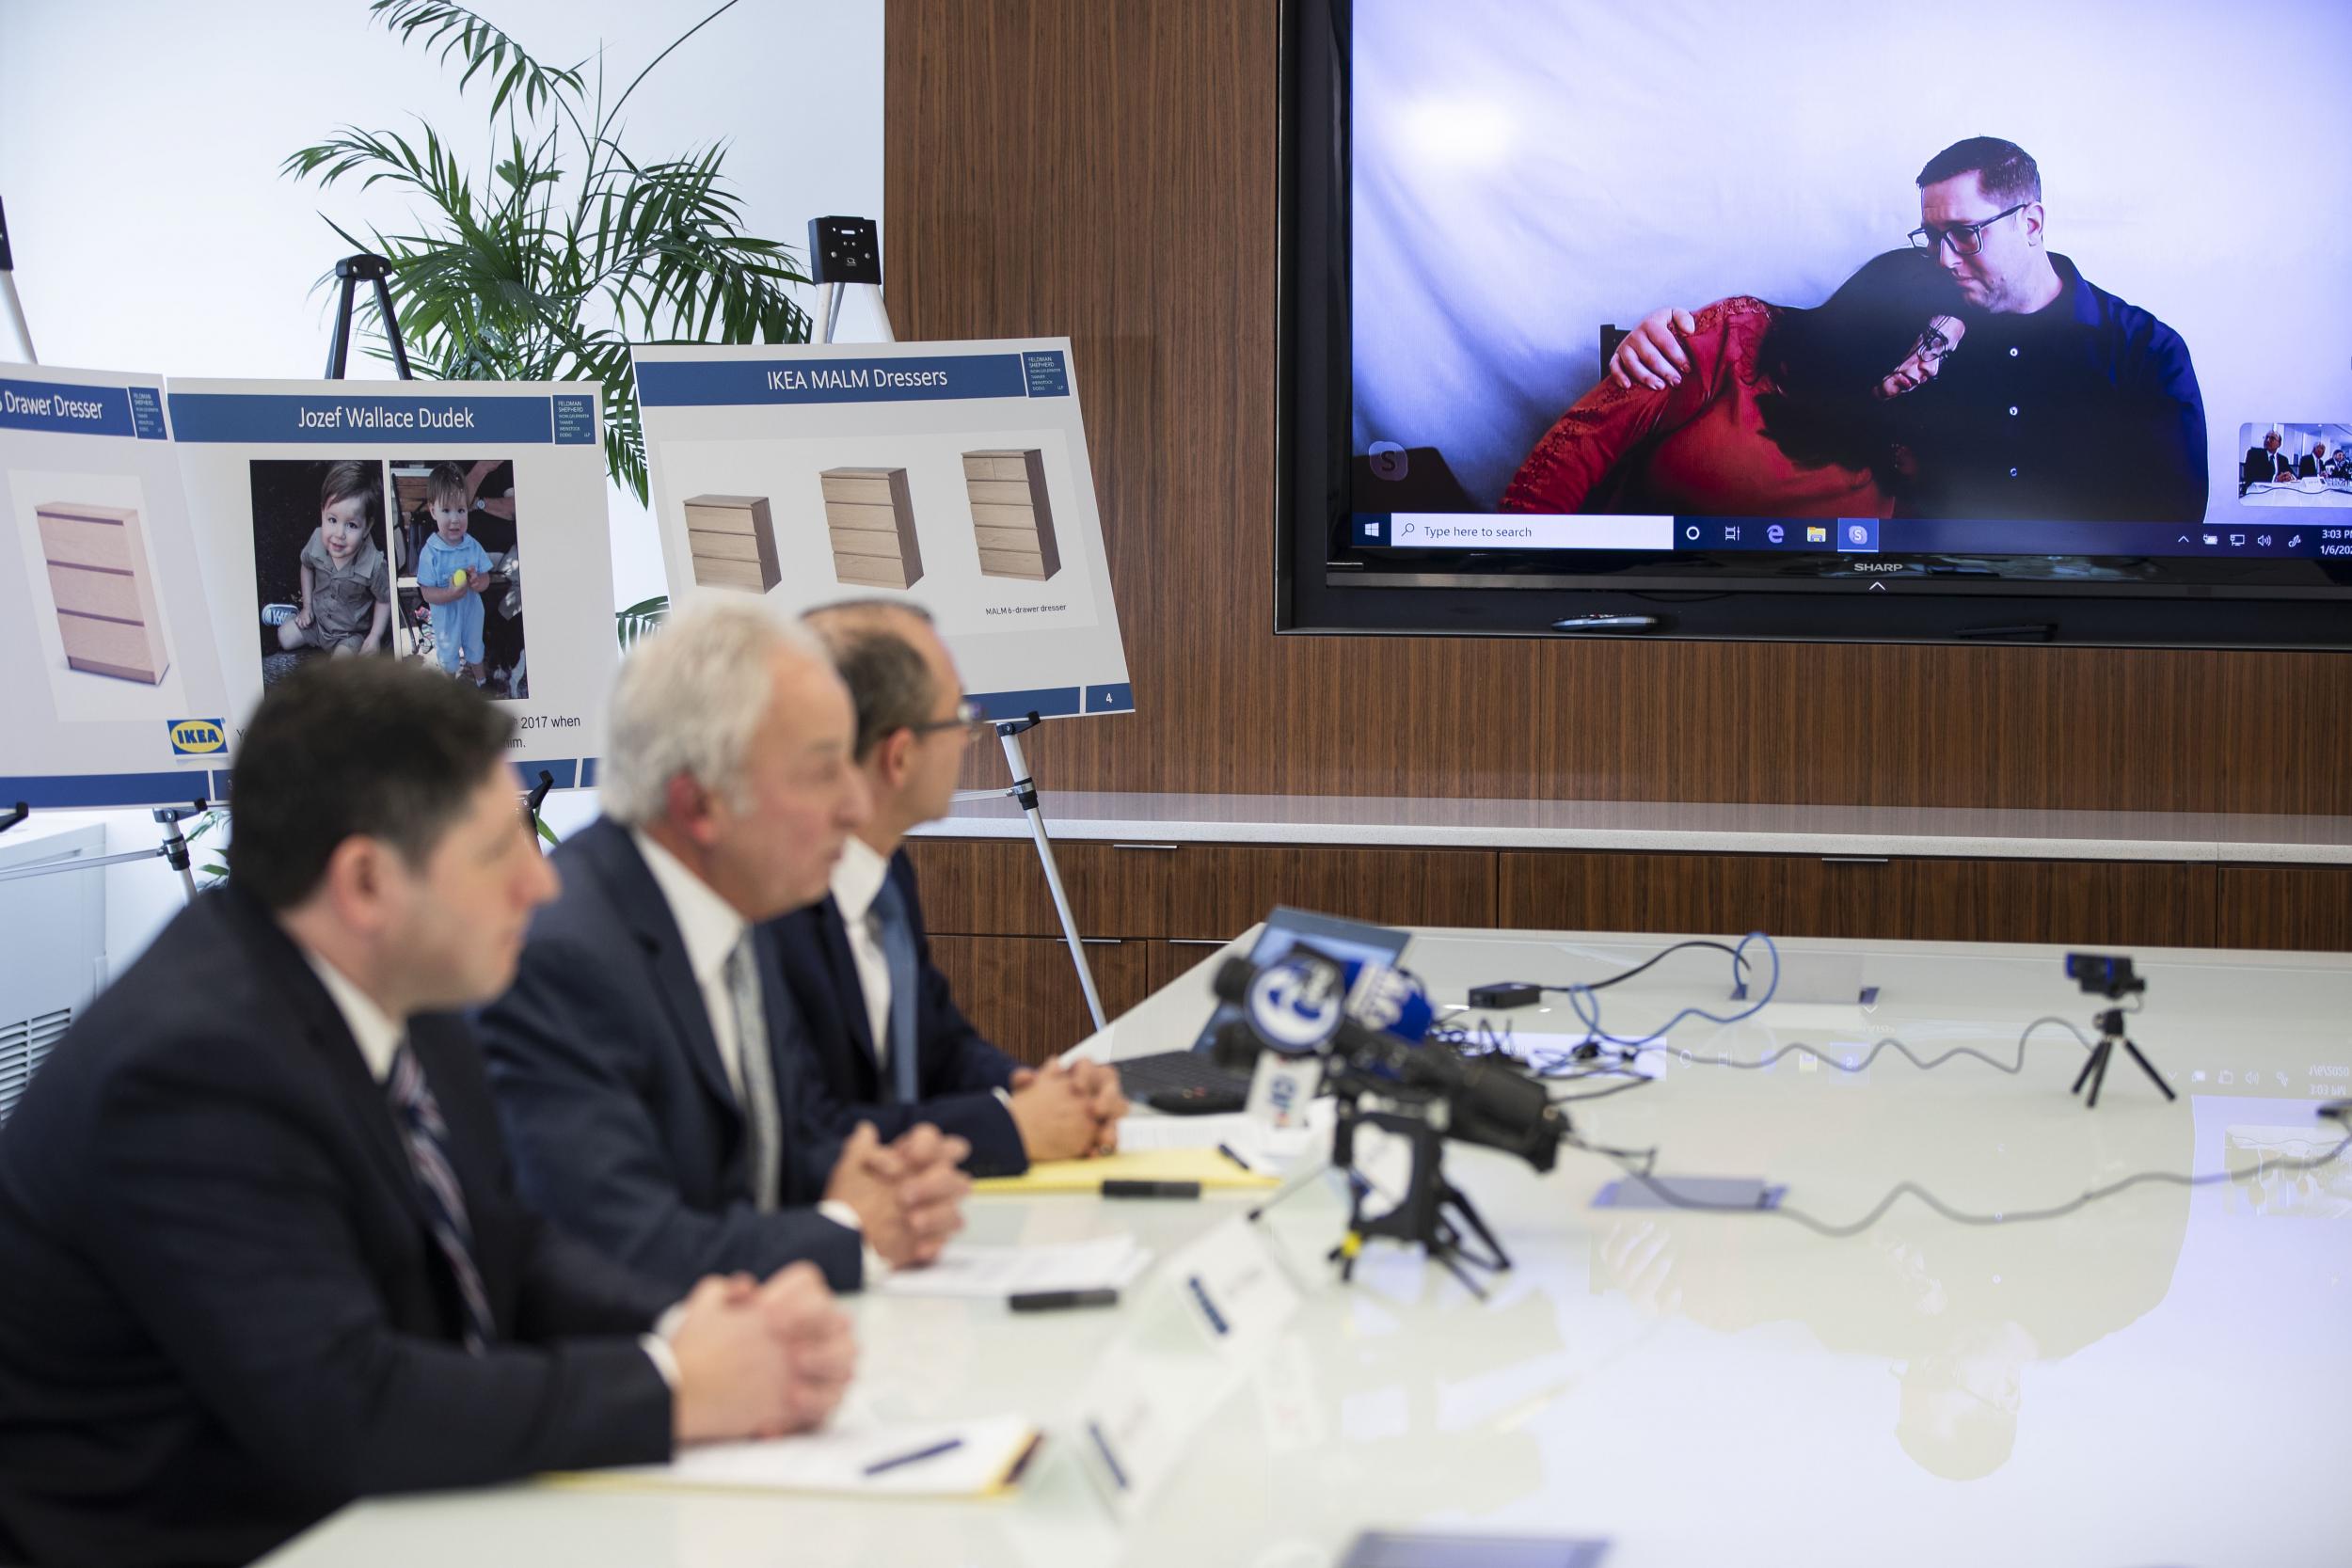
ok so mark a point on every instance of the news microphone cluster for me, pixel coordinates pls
(1368, 1025)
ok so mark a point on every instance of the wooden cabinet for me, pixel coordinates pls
(2299, 907)
(1215, 890)
(995, 887)
(1169, 906)
(1023, 993)
(2113, 903)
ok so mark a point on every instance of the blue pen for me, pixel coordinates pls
(946, 1445)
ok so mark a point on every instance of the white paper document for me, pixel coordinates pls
(961, 1459)
(970, 1270)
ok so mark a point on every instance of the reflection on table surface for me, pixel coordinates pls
(2142, 1381)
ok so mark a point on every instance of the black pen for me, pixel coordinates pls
(948, 1445)
(1053, 1301)
(1115, 1188)
(1227, 1151)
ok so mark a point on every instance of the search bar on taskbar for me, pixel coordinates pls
(1519, 531)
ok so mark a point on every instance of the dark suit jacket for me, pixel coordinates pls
(958, 1071)
(2307, 466)
(2264, 466)
(222, 1314)
(625, 1126)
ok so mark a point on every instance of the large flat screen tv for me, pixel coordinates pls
(2029, 322)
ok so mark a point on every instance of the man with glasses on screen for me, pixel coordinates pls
(2069, 405)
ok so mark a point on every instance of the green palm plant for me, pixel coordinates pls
(569, 248)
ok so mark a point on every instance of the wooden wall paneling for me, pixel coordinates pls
(1219, 890)
(1109, 172)
(2131, 903)
(1938, 900)
(1558, 890)
(997, 887)
(1023, 993)
(2305, 909)
(1168, 959)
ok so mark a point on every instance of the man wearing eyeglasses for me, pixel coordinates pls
(884, 1030)
(2070, 404)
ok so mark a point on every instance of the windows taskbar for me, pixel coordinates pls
(1455, 531)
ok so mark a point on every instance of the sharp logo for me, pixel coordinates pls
(197, 738)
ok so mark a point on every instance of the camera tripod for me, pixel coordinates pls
(1433, 1214)
(2094, 1071)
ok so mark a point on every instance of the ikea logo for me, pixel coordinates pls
(196, 738)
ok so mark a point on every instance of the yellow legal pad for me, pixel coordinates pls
(1208, 1167)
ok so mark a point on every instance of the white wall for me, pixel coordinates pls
(139, 146)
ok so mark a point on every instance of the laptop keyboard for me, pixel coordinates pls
(1143, 1076)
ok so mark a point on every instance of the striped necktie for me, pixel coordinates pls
(763, 1118)
(896, 936)
(427, 1137)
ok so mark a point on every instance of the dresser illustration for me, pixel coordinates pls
(870, 517)
(105, 590)
(732, 541)
(1011, 520)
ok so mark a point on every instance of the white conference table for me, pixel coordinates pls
(2152, 1379)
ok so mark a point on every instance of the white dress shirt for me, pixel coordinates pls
(858, 877)
(379, 1037)
(712, 928)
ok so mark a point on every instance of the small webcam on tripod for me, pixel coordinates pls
(2103, 975)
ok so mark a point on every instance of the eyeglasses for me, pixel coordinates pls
(968, 717)
(1967, 238)
(1934, 347)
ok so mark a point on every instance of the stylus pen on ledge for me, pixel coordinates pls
(946, 1446)
(1115, 1188)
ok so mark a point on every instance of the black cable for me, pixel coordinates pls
(1739, 963)
(1640, 1163)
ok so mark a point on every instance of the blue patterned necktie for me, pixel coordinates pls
(427, 1137)
(896, 938)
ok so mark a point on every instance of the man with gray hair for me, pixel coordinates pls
(648, 1059)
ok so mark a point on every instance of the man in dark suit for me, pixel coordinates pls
(885, 1028)
(2313, 463)
(2264, 464)
(648, 1058)
(259, 1253)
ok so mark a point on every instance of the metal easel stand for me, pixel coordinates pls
(1024, 790)
(173, 849)
(843, 253)
(378, 271)
(7, 293)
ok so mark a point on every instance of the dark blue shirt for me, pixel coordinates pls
(2087, 408)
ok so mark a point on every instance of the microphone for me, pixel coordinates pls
(1374, 1017)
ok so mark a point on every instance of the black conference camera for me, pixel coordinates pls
(2103, 975)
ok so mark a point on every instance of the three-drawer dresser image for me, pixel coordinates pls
(103, 585)
(732, 541)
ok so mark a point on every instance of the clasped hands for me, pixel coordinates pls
(1068, 1111)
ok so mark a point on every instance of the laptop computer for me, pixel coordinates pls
(1139, 1077)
